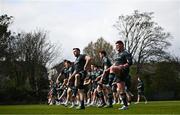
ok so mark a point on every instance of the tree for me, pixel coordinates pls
(93, 49)
(5, 21)
(167, 79)
(34, 49)
(34, 46)
(143, 37)
(23, 61)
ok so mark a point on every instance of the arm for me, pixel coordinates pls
(105, 67)
(87, 82)
(105, 72)
(87, 64)
(72, 75)
(64, 82)
(98, 78)
(128, 61)
(57, 80)
(138, 87)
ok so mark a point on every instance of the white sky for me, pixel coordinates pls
(74, 23)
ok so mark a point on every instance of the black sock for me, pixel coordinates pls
(102, 97)
(129, 101)
(123, 96)
(82, 103)
(110, 98)
(75, 91)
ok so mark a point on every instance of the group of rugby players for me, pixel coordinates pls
(82, 86)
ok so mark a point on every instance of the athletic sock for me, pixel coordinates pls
(110, 98)
(123, 96)
(75, 91)
(111, 79)
(102, 97)
(82, 103)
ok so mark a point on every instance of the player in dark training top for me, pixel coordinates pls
(81, 65)
(120, 70)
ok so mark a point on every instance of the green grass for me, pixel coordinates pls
(154, 107)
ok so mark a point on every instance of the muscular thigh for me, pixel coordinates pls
(121, 86)
(77, 77)
(115, 69)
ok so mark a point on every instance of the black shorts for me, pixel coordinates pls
(128, 83)
(141, 93)
(114, 88)
(71, 83)
(105, 80)
(94, 86)
(111, 80)
(121, 78)
(82, 77)
(87, 88)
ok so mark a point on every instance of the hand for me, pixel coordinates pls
(114, 83)
(120, 67)
(68, 83)
(96, 79)
(100, 82)
(86, 68)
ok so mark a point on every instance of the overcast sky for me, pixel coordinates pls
(74, 23)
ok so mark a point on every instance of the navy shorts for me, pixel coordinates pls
(82, 77)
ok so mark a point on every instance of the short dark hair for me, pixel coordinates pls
(119, 42)
(103, 52)
(67, 61)
(76, 49)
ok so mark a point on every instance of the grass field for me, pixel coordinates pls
(153, 107)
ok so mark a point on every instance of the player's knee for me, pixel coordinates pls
(77, 76)
(111, 68)
(118, 90)
(98, 88)
(65, 80)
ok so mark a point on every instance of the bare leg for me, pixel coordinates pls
(138, 99)
(145, 99)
